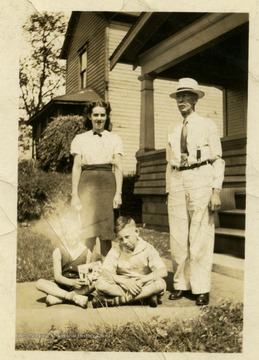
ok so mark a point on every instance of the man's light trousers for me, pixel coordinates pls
(192, 228)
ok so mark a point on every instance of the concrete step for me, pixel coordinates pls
(223, 264)
(232, 219)
(230, 241)
(228, 265)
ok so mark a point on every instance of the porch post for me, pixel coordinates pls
(147, 125)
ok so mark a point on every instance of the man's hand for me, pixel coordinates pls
(215, 202)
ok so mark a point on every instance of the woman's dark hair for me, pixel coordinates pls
(88, 111)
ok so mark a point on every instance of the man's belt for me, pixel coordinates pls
(100, 167)
(193, 166)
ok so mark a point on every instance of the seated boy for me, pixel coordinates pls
(132, 270)
(67, 285)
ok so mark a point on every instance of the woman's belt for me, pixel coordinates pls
(100, 167)
(193, 166)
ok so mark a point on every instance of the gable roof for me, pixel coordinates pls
(124, 17)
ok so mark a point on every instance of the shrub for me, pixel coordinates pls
(40, 193)
(53, 150)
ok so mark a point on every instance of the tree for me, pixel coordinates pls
(24, 139)
(42, 72)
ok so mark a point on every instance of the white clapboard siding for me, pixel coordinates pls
(236, 110)
(124, 95)
(87, 33)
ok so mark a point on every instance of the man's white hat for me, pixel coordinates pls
(188, 84)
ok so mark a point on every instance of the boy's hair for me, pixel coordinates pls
(123, 221)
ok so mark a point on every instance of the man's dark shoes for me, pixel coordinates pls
(203, 299)
(176, 294)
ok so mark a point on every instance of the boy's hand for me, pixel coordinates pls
(77, 284)
(132, 286)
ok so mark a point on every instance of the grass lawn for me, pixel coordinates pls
(218, 329)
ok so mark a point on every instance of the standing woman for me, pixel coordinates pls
(97, 177)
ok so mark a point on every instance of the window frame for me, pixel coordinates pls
(83, 70)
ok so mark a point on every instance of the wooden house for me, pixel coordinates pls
(151, 52)
(90, 40)
(213, 49)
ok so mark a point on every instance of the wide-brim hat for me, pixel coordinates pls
(187, 84)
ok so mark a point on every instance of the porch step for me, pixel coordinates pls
(232, 219)
(240, 199)
(230, 241)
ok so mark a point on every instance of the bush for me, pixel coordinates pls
(218, 329)
(53, 150)
(40, 193)
(34, 256)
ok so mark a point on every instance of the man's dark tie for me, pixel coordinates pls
(96, 133)
(184, 149)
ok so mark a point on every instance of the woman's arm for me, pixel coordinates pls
(117, 161)
(76, 173)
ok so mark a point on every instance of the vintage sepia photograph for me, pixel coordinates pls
(134, 190)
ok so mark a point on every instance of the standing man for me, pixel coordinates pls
(194, 177)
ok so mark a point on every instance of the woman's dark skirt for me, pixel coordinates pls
(96, 192)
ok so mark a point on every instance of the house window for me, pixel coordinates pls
(83, 68)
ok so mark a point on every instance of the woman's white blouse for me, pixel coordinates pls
(95, 149)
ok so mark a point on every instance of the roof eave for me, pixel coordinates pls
(128, 39)
(69, 34)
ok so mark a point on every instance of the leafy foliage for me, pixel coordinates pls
(40, 193)
(54, 146)
(218, 329)
(24, 139)
(42, 72)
